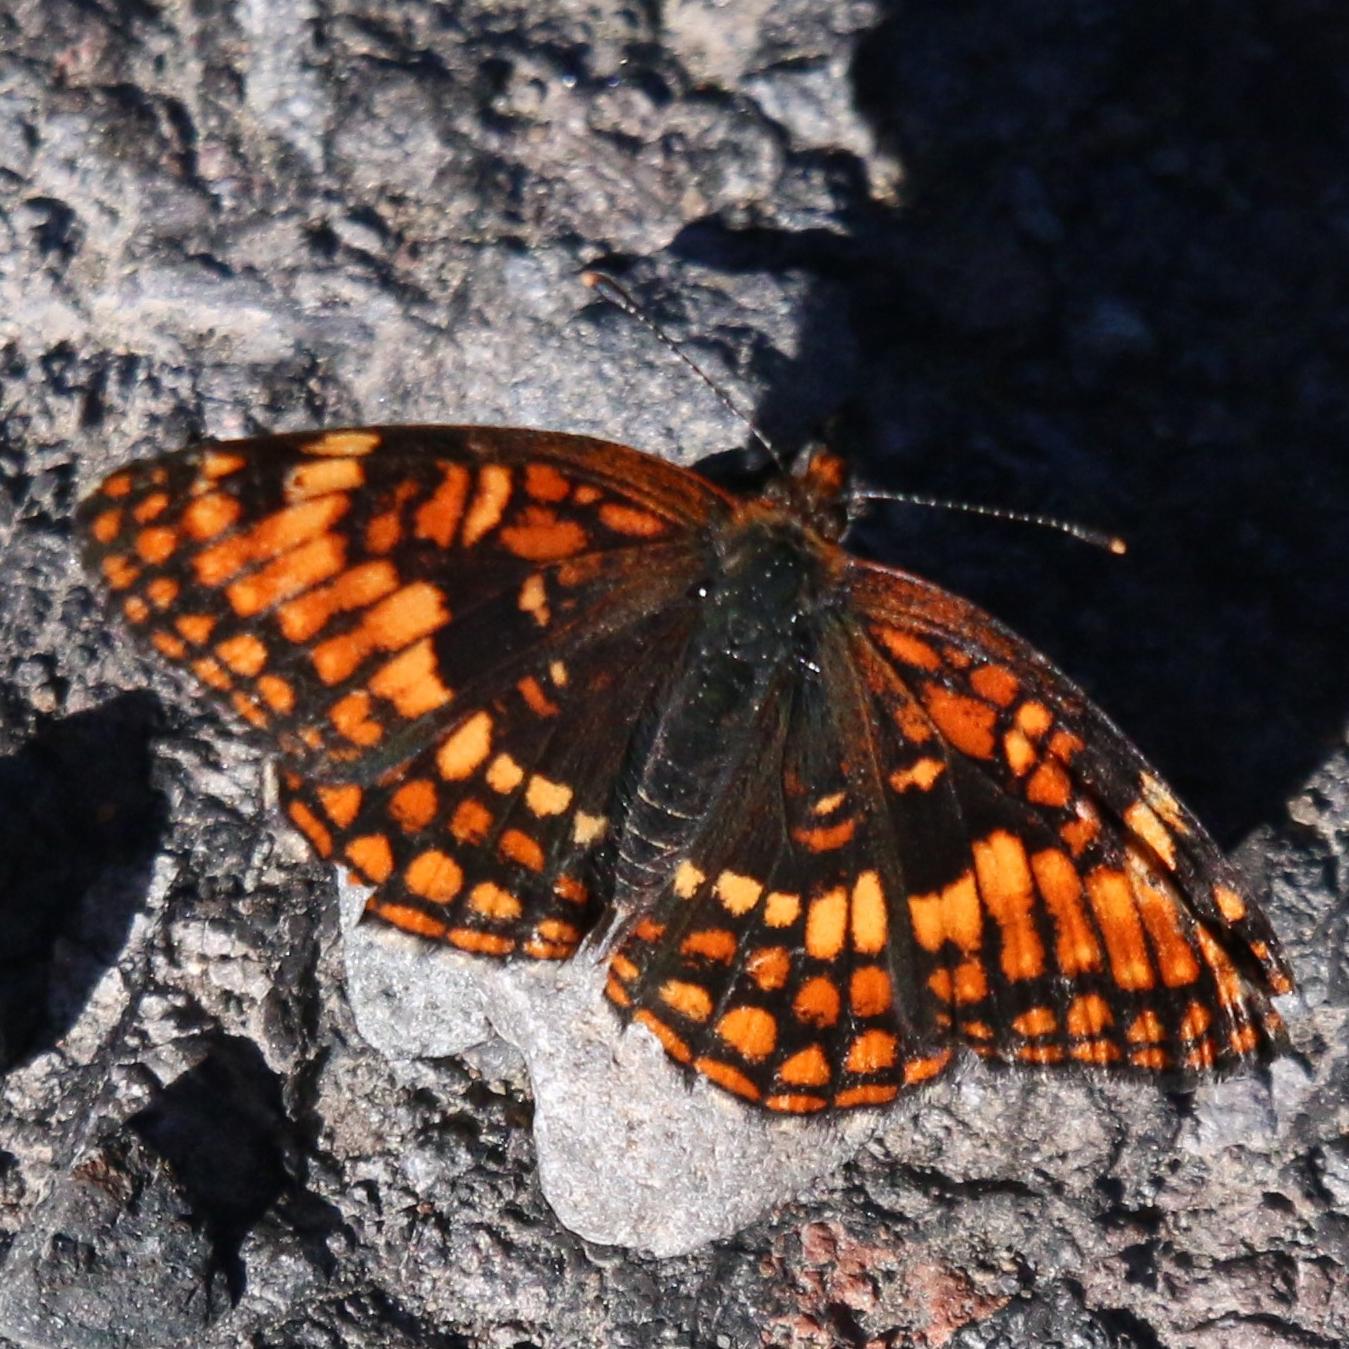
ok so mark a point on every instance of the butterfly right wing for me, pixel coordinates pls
(350, 593)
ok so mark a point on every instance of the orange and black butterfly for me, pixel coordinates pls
(827, 822)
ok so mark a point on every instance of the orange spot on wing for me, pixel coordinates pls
(435, 876)
(541, 537)
(1003, 871)
(630, 521)
(197, 628)
(751, 1031)
(717, 944)
(471, 821)
(738, 894)
(1230, 904)
(340, 802)
(221, 464)
(359, 586)
(535, 698)
(724, 1075)
(120, 572)
(871, 1093)
(271, 537)
(924, 1069)
(518, 847)
(243, 653)
(372, 857)
(1034, 718)
(351, 718)
(288, 575)
(207, 516)
(869, 992)
(1076, 947)
(952, 913)
(903, 646)
(415, 803)
(690, 1000)
(339, 443)
(277, 693)
(996, 683)
(481, 943)
(311, 827)
(489, 503)
(438, 516)
(870, 920)
(1018, 751)
(492, 901)
(393, 623)
(463, 751)
(411, 681)
(806, 1068)
(769, 967)
(965, 722)
(872, 1051)
(920, 775)
(544, 483)
(1117, 917)
(1037, 1021)
(1161, 916)
(407, 918)
(826, 924)
(825, 837)
(817, 1002)
(155, 544)
(107, 525)
(163, 590)
(670, 1042)
(1049, 786)
(317, 479)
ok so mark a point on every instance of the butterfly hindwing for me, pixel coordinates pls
(492, 838)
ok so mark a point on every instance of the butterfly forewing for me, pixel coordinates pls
(349, 593)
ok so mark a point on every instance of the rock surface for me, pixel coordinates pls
(1084, 259)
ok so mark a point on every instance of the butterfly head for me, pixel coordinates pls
(818, 492)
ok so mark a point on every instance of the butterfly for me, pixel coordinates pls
(824, 822)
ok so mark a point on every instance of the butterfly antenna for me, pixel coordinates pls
(620, 297)
(1112, 543)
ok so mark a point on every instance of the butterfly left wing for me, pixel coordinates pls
(1094, 921)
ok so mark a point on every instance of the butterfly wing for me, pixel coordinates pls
(1090, 918)
(944, 843)
(354, 593)
(449, 633)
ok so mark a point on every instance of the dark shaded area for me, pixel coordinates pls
(74, 802)
(1114, 289)
(222, 1127)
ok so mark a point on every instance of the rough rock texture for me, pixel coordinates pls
(1082, 258)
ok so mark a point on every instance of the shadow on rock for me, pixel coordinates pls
(1110, 286)
(75, 803)
(223, 1128)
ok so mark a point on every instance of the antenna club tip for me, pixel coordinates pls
(591, 279)
(1117, 546)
